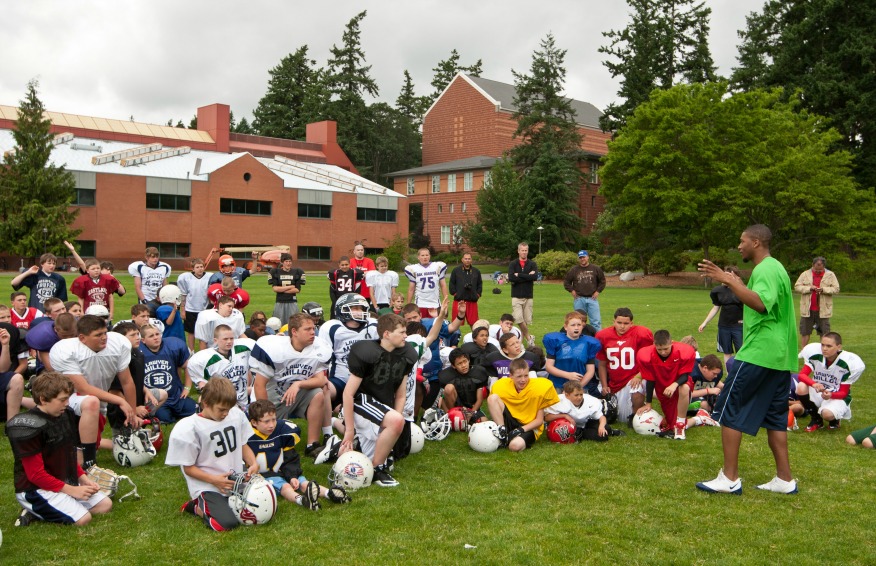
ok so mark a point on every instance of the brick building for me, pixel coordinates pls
(464, 131)
(187, 191)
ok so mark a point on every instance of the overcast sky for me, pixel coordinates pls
(163, 59)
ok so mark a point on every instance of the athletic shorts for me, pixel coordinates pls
(809, 323)
(522, 310)
(863, 433)
(277, 482)
(217, 514)
(471, 311)
(190, 321)
(670, 404)
(298, 408)
(76, 404)
(426, 312)
(57, 507)
(625, 400)
(340, 385)
(511, 423)
(729, 339)
(284, 311)
(753, 397)
(5, 379)
(839, 408)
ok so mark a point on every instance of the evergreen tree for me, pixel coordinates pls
(409, 104)
(446, 70)
(35, 195)
(665, 42)
(393, 143)
(243, 127)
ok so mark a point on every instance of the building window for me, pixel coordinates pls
(436, 183)
(306, 210)
(314, 253)
(375, 215)
(488, 176)
(155, 201)
(440, 208)
(457, 234)
(170, 249)
(451, 208)
(451, 183)
(242, 206)
(445, 235)
(463, 207)
(411, 186)
(87, 248)
(594, 173)
(467, 181)
(593, 201)
(84, 197)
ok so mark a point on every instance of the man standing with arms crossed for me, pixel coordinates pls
(522, 273)
(363, 265)
(755, 394)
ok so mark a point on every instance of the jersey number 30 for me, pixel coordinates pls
(226, 441)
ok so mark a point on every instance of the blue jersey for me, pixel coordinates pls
(161, 367)
(445, 338)
(276, 453)
(174, 329)
(239, 275)
(572, 355)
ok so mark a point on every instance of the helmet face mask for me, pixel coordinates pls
(133, 448)
(315, 311)
(484, 437)
(436, 424)
(344, 309)
(227, 264)
(252, 499)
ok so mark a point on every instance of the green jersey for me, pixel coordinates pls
(769, 339)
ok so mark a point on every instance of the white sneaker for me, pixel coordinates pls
(779, 485)
(722, 485)
(706, 418)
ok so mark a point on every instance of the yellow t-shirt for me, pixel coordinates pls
(524, 405)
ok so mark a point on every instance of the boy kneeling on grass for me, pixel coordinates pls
(273, 443)
(209, 446)
(49, 483)
(517, 405)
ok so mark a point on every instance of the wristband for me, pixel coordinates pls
(460, 317)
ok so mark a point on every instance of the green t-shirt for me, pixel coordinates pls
(769, 339)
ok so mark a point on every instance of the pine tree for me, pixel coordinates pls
(35, 195)
(446, 70)
(409, 104)
(243, 127)
(665, 42)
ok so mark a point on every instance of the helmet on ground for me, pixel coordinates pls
(561, 431)
(344, 309)
(226, 264)
(418, 439)
(609, 408)
(647, 423)
(169, 294)
(435, 424)
(484, 437)
(315, 311)
(252, 500)
(458, 419)
(352, 471)
(156, 436)
(133, 448)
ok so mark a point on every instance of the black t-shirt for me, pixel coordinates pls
(382, 372)
(731, 306)
(466, 385)
(16, 344)
(55, 438)
(475, 354)
(279, 277)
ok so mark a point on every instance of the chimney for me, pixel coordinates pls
(215, 119)
(322, 132)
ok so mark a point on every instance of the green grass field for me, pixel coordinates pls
(631, 500)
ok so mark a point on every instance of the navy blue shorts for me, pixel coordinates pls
(729, 339)
(753, 397)
(340, 385)
(5, 378)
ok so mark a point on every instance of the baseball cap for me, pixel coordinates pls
(97, 310)
(273, 323)
(583, 253)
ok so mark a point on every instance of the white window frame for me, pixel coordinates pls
(468, 181)
(451, 208)
(445, 235)
(436, 184)
(451, 183)
(464, 207)
(487, 176)
(412, 186)
(440, 208)
(594, 173)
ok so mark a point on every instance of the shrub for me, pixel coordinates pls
(555, 264)
(665, 262)
(396, 250)
(450, 258)
(620, 262)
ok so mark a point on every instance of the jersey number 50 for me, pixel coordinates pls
(626, 360)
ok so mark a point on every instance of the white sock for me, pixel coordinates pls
(327, 429)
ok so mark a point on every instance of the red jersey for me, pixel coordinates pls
(620, 353)
(215, 292)
(23, 321)
(664, 372)
(363, 266)
(94, 292)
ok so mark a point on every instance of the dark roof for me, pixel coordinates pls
(478, 162)
(585, 113)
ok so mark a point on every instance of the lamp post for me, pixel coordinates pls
(45, 233)
(540, 230)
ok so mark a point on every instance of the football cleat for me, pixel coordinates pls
(814, 426)
(679, 431)
(338, 494)
(722, 484)
(706, 418)
(310, 497)
(330, 452)
(383, 478)
(313, 449)
(833, 425)
(25, 518)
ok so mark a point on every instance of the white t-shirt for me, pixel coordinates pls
(590, 409)
(215, 447)
(381, 285)
(194, 290)
(152, 322)
(428, 281)
(72, 357)
(151, 279)
(339, 339)
(209, 363)
(425, 356)
(208, 320)
(274, 358)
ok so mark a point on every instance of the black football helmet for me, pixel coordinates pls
(315, 311)
(344, 309)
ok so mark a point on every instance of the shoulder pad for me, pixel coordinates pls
(25, 425)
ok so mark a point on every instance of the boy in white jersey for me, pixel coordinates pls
(207, 446)
(224, 313)
(290, 372)
(427, 283)
(149, 276)
(228, 358)
(193, 297)
(826, 381)
(584, 413)
(382, 283)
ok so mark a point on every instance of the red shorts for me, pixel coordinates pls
(424, 313)
(471, 311)
(670, 404)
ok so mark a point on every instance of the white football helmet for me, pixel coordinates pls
(418, 439)
(253, 500)
(435, 424)
(169, 294)
(647, 423)
(352, 471)
(484, 437)
(133, 448)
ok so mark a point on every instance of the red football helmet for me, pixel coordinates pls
(155, 434)
(561, 431)
(226, 264)
(457, 419)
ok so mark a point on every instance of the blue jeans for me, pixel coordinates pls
(591, 306)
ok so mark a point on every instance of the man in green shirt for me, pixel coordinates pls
(755, 394)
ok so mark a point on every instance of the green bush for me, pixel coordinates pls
(665, 262)
(718, 256)
(449, 258)
(620, 262)
(396, 250)
(555, 264)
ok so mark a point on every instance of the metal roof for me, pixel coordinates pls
(478, 162)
